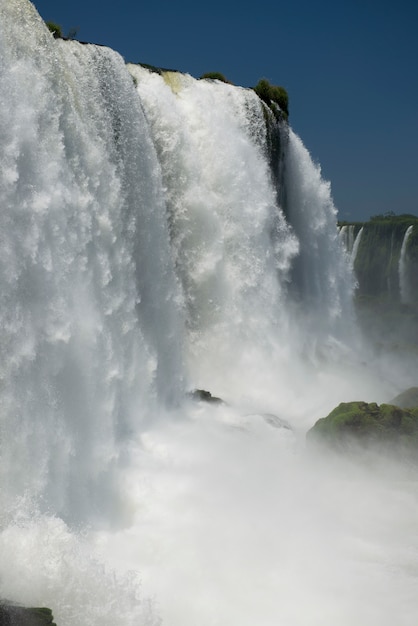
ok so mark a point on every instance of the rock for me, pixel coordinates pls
(205, 396)
(365, 424)
(407, 399)
(11, 615)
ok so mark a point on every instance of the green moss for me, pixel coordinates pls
(366, 424)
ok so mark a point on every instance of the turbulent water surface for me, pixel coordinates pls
(161, 234)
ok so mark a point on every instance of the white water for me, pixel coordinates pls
(350, 242)
(355, 248)
(405, 291)
(346, 233)
(143, 253)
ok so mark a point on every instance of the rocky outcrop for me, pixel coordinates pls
(205, 396)
(362, 424)
(11, 615)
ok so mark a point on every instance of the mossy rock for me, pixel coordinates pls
(11, 615)
(366, 424)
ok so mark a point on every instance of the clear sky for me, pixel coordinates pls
(350, 67)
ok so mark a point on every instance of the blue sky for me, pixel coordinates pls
(350, 67)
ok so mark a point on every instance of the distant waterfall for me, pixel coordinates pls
(346, 233)
(350, 240)
(404, 287)
(355, 247)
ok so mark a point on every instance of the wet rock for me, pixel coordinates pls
(205, 396)
(364, 424)
(12, 615)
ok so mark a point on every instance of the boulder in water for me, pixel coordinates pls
(205, 396)
(11, 615)
(364, 424)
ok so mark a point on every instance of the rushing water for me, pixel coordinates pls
(355, 248)
(351, 242)
(148, 248)
(404, 287)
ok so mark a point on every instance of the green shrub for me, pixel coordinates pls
(55, 29)
(273, 93)
(216, 76)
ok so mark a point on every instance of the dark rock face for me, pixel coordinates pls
(363, 424)
(21, 616)
(205, 396)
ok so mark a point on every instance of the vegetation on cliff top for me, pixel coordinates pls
(384, 218)
(56, 30)
(215, 76)
(273, 94)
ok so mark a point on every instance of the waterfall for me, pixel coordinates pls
(346, 233)
(153, 243)
(231, 245)
(85, 265)
(350, 240)
(242, 264)
(355, 247)
(404, 288)
(320, 278)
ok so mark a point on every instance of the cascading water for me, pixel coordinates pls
(355, 247)
(405, 292)
(350, 241)
(346, 233)
(149, 249)
(319, 278)
(232, 248)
